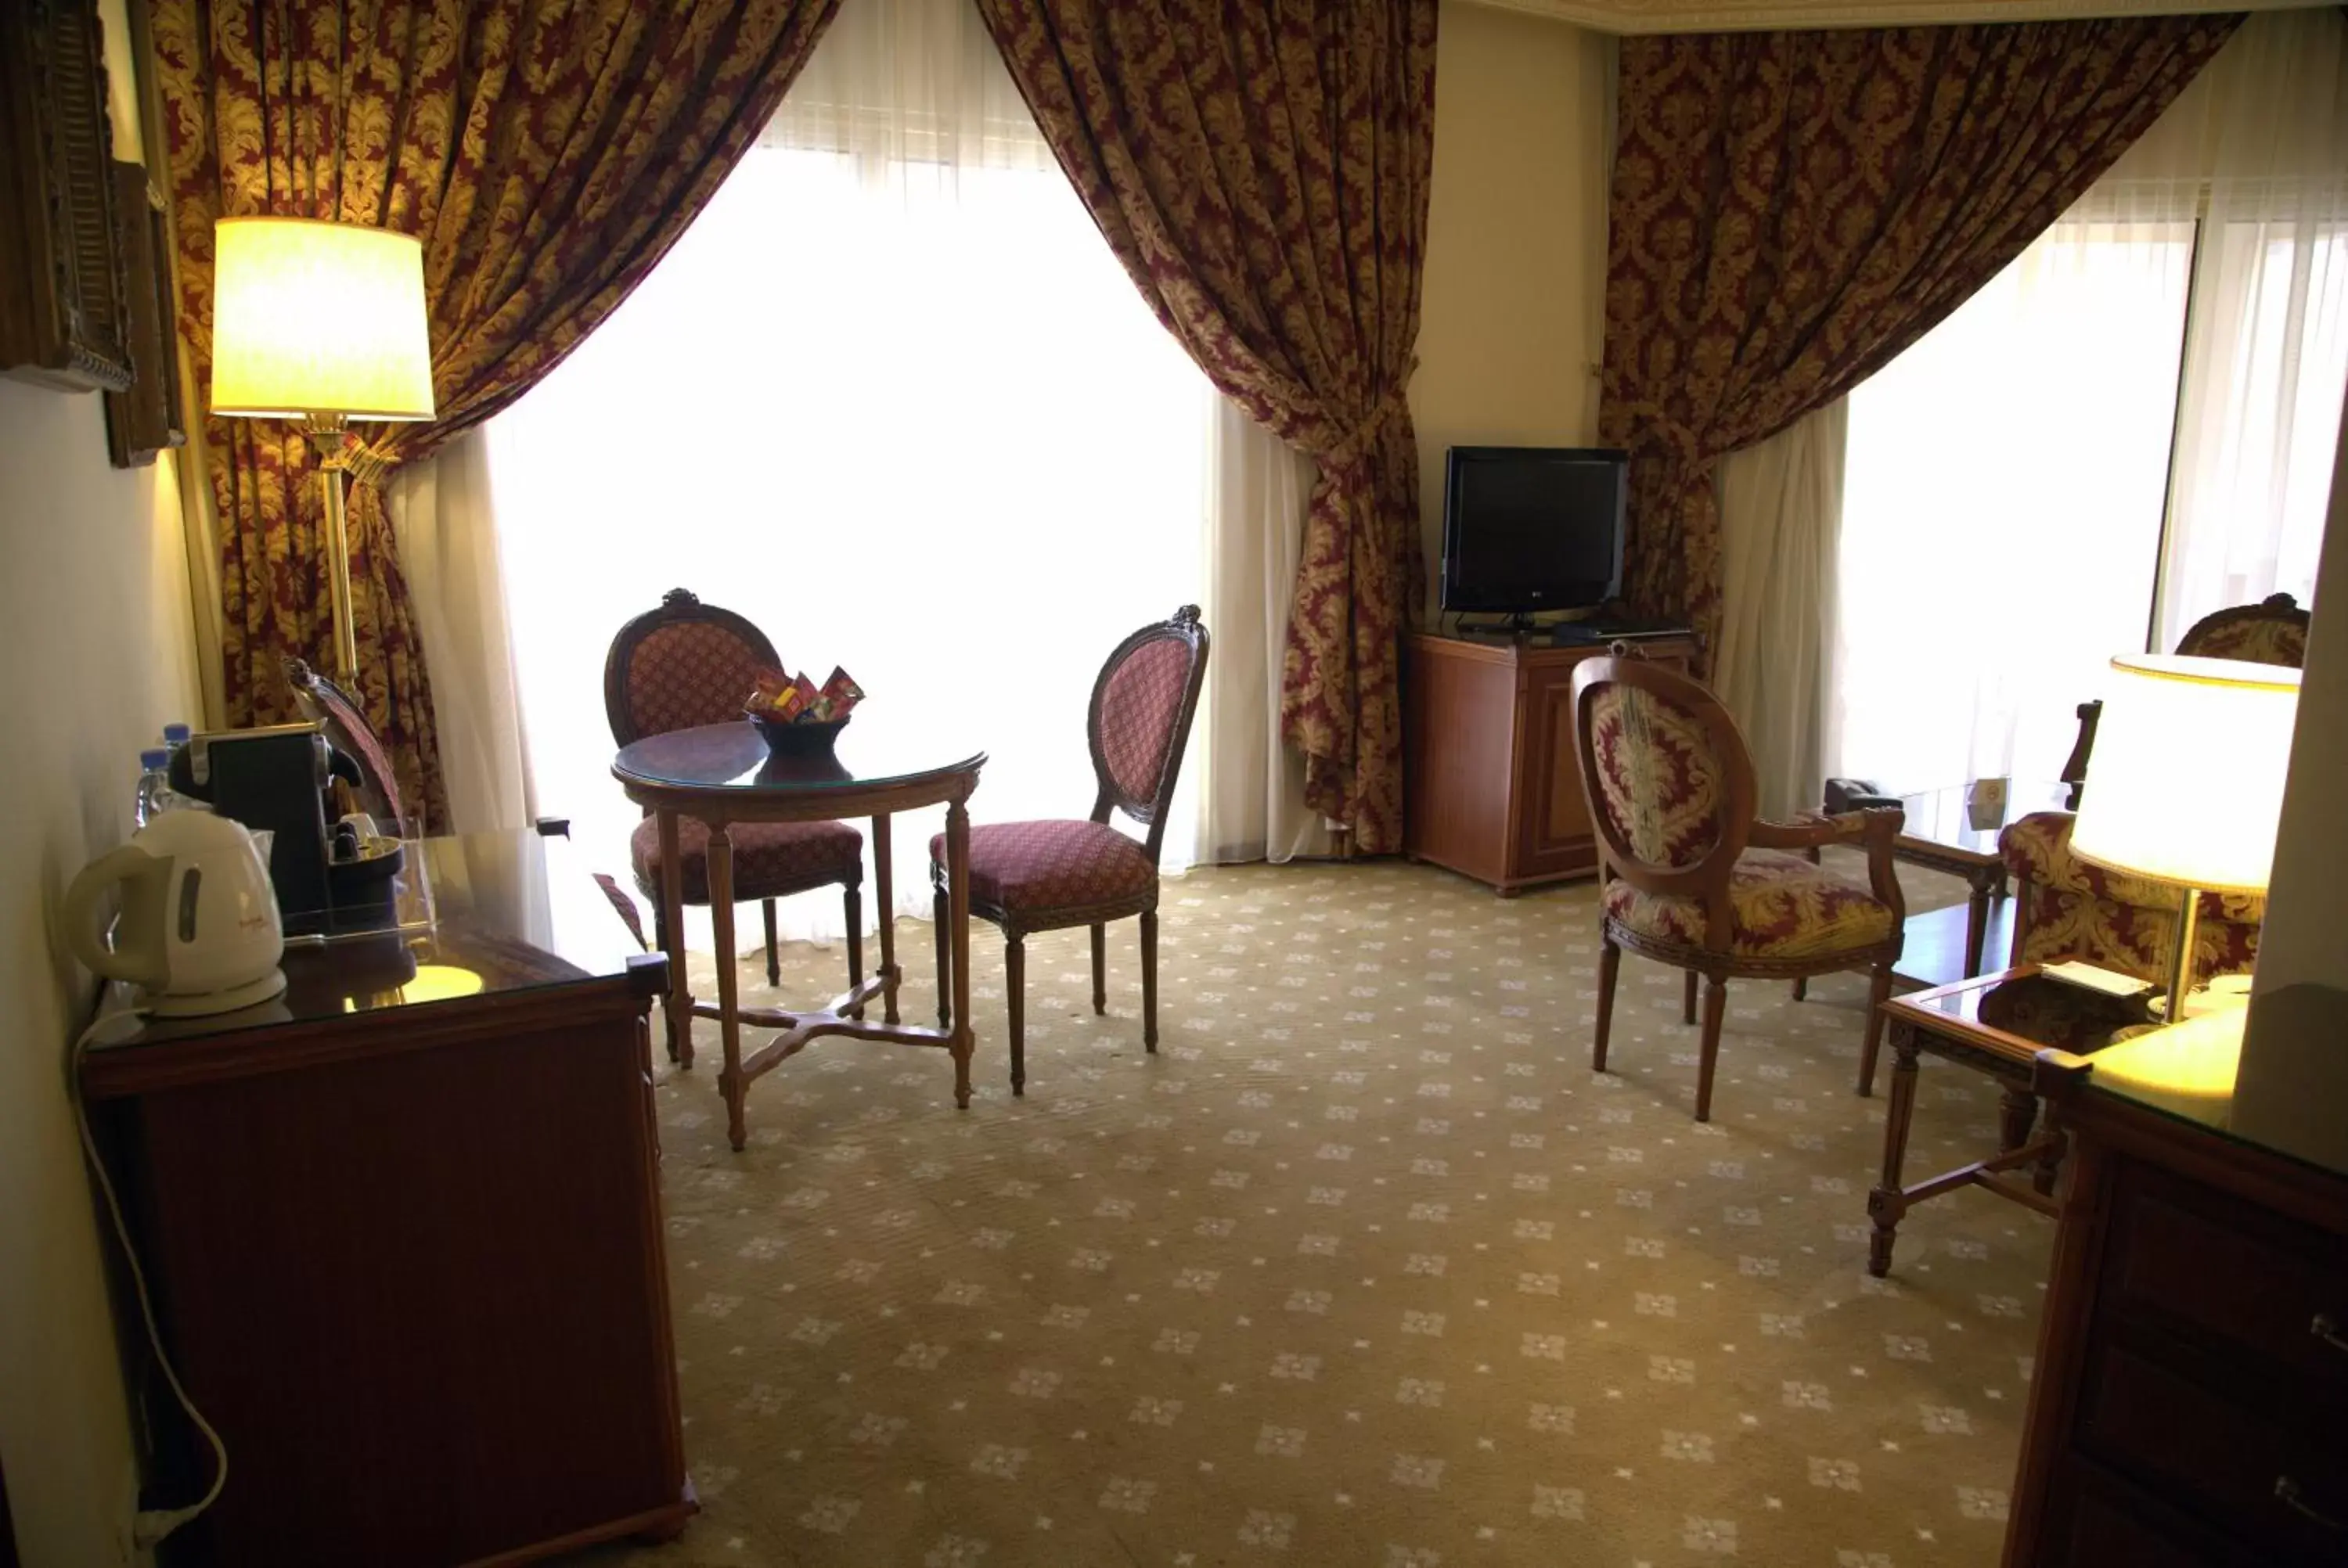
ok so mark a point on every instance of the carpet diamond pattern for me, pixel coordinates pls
(1366, 1266)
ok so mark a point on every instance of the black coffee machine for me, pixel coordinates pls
(282, 778)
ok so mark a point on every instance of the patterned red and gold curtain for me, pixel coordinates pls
(1792, 210)
(548, 153)
(1262, 172)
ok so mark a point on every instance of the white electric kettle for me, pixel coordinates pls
(198, 932)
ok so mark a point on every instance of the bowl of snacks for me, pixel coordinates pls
(797, 717)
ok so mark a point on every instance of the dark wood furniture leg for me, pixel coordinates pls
(2017, 1110)
(1609, 963)
(941, 921)
(851, 915)
(1802, 988)
(1987, 882)
(958, 889)
(1887, 1203)
(1877, 993)
(1100, 968)
(677, 1007)
(884, 890)
(1716, 1010)
(1014, 1000)
(1687, 997)
(1149, 980)
(730, 1082)
(774, 951)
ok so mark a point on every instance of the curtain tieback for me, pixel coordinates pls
(1358, 443)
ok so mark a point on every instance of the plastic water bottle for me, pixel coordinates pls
(176, 736)
(156, 794)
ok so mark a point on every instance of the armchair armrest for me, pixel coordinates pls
(1815, 830)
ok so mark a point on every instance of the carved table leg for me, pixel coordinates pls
(886, 893)
(2017, 1110)
(678, 1005)
(1887, 1203)
(1986, 883)
(963, 1042)
(729, 1021)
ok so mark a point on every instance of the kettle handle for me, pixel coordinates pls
(84, 932)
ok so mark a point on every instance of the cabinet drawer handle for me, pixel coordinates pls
(2326, 1327)
(2288, 1491)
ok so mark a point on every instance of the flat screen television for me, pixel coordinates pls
(1528, 528)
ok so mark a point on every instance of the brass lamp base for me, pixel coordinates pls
(2177, 1003)
(329, 436)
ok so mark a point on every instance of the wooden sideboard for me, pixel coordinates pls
(2193, 1362)
(403, 1229)
(1491, 787)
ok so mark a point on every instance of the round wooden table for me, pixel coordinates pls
(720, 774)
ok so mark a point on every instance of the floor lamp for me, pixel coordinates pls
(2191, 756)
(322, 323)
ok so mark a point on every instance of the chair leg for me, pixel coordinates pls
(1014, 989)
(1877, 994)
(1100, 968)
(660, 944)
(851, 913)
(1149, 979)
(1609, 961)
(1716, 1007)
(941, 912)
(773, 956)
(1802, 988)
(1687, 1000)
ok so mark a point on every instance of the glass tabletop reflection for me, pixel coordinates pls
(736, 756)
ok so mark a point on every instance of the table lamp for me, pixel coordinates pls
(322, 323)
(2191, 756)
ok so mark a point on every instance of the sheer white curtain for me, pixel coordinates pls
(892, 398)
(2066, 468)
(1252, 785)
(1780, 518)
(2257, 149)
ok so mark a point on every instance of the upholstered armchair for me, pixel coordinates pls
(1030, 877)
(688, 663)
(1690, 875)
(2066, 908)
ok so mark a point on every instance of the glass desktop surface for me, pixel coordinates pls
(1942, 817)
(870, 752)
(2273, 1076)
(480, 914)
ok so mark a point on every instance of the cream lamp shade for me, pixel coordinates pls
(2190, 760)
(312, 318)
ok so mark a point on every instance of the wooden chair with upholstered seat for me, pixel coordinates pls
(1030, 877)
(1689, 873)
(685, 664)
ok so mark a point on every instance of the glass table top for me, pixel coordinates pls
(2020, 1013)
(481, 914)
(1945, 815)
(869, 751)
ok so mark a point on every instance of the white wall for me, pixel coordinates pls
(1512, 316)
(97, 645)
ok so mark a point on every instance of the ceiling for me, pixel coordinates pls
(1730, 16)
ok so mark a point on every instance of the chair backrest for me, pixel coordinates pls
(1139, 720)
(1668, 780)
(683, 664)
(2272, 631)
(347, 731)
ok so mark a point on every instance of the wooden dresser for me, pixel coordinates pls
(1491, 788)
(2189, 1406)
(403, 1229)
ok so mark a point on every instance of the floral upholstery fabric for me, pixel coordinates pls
(1658, 780)
(1792, 210)
(321, 700)
(771, 859)
(1780, 906)
(546, 155)
(2071, 909)
(629, 913)
(2255, 639)
(1034, 869)
(689, 672)
(1261, 171)
(1139, 705)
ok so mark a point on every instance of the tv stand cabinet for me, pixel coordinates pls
(1490, 785)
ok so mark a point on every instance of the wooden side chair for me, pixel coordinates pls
(685, 664)
(1030, 877)
(1689, 873)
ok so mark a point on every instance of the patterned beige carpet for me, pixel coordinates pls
(1364, 1268)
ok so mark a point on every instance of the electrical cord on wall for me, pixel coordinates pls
(148, 1526)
